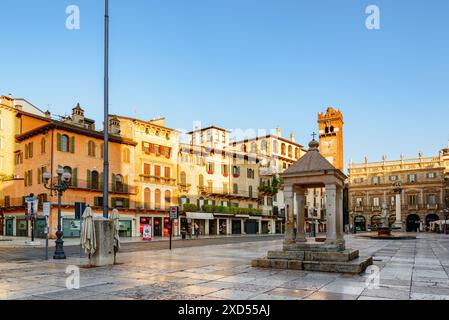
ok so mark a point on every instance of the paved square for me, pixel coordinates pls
(409, 270)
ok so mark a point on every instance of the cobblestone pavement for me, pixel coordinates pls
(409, 269)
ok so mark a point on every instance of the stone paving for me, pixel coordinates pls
(409, 270)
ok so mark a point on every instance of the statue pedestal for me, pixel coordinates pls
(104, 255)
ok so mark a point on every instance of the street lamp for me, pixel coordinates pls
(59, 187)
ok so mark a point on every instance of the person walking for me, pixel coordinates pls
(197, 230)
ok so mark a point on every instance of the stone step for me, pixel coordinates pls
(346, 255)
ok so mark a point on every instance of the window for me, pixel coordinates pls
(18, 158)
(431, 199)
(40, 172)
(250, 191)
(283, 149)
(250, 174)
(263, 145)
(290, 151)
(359, 202)
(157, 199)
(236, 171)
(64, 143)
(235, 188)
(126, 155)
(167, 198)
(394, 178)
(157, 171)
(376, 202)
(91, 149)
(412, 200)
(431, 175)
(375, 180)
(225, 170)
(167, 172)
(146, 198)
(253, 147)
(210, 168)
(146, 169)
(412, 178)
(275, 147)
(29, 150)
(95, 180)
(118, 182)
(297, 154)
(392, 201)
(42, 145)
(201, 181)
(183, 178)
(28, 178)
(102, 150)
(358, 180)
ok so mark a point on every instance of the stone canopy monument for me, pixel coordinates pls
(314, 171)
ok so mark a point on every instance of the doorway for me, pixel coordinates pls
(158, 227)
(213, 227)
(236, 227)
(413, 223)
(251, 226)
(9, 227)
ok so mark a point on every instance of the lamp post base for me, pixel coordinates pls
(59, 251)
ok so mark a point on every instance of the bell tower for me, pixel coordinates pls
(331, 137)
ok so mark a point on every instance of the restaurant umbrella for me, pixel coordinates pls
(88, 239)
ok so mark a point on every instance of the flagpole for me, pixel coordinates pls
(106, 114)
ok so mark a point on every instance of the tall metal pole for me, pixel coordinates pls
(106, 113)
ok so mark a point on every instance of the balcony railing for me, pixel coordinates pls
(157, 180)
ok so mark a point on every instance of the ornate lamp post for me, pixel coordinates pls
(59, 187)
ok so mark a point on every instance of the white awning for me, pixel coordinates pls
(199, 215)
(255, 218)
(242, 216)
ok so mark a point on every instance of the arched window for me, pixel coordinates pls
(201, 181)
(290, 151)
(95, 180)
(183, 178)
(297, 155)
(236, 171)
(126, 156)
(91, 148)
(65, 143)
(118, 183)
(167, 198)
(157, 199)
(147, 198)
(102, 150)
(283, 149)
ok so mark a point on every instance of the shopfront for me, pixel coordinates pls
(158, 227)
(360, 223)
(200, 220)
(71, 228)
(143, 222)
(236, 226)
(40, 228)
(9, 227)
(251, 226)
(21, 227)
(223, 227)
(125, 228)
(266, 227)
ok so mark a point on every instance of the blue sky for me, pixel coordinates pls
(243, 64)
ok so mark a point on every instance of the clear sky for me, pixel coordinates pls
(243, 64)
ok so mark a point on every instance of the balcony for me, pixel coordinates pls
(433, 206)
(157, 180)
(413, 207)
(97, 186)
(220, 209)
(184, 188)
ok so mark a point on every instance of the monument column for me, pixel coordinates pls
(397, 187)
(339, 213)
(290, 219)
(331, 206)
(300, 218)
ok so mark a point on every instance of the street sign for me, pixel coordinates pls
(174, 213)
(46, 209)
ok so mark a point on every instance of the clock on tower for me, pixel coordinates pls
(331, 137)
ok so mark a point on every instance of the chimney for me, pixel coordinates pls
(48, 114)
(292, 137)
(114, 126)
(278, 132)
